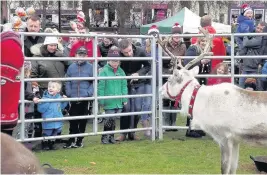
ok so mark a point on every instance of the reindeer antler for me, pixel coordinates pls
(173, 57)
(206, 51)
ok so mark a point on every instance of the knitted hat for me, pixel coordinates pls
(176, 28)
(81, 50)
(27, 65)
(50, 40)
(152, 29)
(251, 83)
(245, 9)
(114, 52)
(30, 11)
(81, 17)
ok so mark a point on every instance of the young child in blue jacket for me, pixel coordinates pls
(245, 24)
(51, 110)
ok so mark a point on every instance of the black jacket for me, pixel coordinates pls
(104, 53)
(140, 67)
(29, 42)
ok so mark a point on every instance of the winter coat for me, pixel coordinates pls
(140, 67)
(251, 46)
(214, 81)
(82, 88)
(264, 71)
(177, 50)
(29, 42)
(28, 95)
(218, 48)
(104, 53)
(46, 69)
(88, 44)
(51, 110)
(245, 25)
(112, 87)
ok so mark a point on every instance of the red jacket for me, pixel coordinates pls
(214, 81)
(218, 47)
(88, 44)
(12, 59)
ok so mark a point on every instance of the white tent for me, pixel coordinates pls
(192, 22)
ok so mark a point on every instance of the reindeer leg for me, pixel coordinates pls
(226, 155)
(235, 157)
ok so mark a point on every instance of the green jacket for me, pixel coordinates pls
(112, 88)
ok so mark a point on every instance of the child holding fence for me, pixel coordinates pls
(52, 110)
(110, 88)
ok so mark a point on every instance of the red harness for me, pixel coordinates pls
(179, 96)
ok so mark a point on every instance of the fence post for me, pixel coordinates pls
(232, 58)
(22, 105)
(95, 123)
(160, 121)
(154, 88)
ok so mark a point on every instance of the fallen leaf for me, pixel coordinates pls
(65, 160)
(92, 163)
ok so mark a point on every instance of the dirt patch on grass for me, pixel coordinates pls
(249, 167)
(79, 170)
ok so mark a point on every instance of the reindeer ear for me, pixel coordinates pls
(195, 70)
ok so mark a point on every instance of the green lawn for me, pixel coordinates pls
(177, 154)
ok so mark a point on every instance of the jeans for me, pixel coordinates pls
(51, 132)
(147, 101)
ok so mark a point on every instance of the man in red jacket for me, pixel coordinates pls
(218, 48)
(12, 59)
(86, 42)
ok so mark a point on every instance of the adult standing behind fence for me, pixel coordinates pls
(132, 68)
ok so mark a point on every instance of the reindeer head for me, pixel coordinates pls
(182, 76)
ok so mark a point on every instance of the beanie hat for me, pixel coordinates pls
(81, 50)
(81, 17)
(152, 29)
(114, 52)
(245, 9)
(50, 40)
(30, 11)
(20, 12)
(176, 28)
(251, 82)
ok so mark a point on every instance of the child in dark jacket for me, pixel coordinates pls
(51, 110)
(110, 88)
(82, 88)
(245, 23)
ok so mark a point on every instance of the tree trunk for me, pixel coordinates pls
(44, 14)
(4, 12)
(201, 8)
(123, 11)
(85, 9)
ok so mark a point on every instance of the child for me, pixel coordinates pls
(83, 88)
(245, 23)
(51, 110)
(110, 88)
(220, 69)
(250, 84)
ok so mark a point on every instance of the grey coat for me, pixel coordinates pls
(251, 46)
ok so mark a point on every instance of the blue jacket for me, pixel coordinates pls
(245, 25)
(83, 88)
(264, 71)
(51, 110)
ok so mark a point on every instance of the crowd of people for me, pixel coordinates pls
(82, 47)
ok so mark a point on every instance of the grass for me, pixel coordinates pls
(176, 154)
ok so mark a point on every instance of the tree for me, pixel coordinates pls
(201, 5)
(185, 4)
(123, 12)
(44, 14)
(85, 9)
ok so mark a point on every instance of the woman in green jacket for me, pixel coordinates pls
(112, 88)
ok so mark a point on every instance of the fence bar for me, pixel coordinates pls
(175, 127)
(170, 111)
(85, 117)
(95, 124)
(86, 78)
(160, 116)
(87, 58)
(22, 94)
(225, 76)
(154, 87)
(84, 134)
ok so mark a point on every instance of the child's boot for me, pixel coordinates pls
(45, 145)
(105, 139)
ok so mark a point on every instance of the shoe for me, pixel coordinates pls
(121, 138)
(201, 132)
(112, 139)
(132, 136)
(105, 139)
(193, 134)
(79, 144)
(69, 145)
(45, 146)
(51, 145)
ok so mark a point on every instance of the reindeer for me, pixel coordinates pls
(17, 159)
(226, 112)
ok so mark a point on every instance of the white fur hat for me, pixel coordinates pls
(50, 40)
